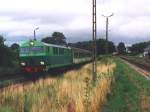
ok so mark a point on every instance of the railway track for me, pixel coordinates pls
(140, 67)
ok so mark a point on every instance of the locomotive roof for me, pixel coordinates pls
(80, 50)
(54, 45)
(39, 43)
(27, 43)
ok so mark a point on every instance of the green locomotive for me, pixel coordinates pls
(38, 56)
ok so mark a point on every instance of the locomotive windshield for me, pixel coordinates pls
(31, 49)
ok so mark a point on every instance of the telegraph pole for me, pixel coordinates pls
(94, 41)
(107, 23)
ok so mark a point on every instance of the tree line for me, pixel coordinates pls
(139, 47)
(9, 56)
(60, 39)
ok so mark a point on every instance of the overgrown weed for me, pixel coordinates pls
(72, 93)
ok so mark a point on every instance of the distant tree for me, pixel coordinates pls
(15, 49)
(56, 38)
(59, 37)
(139, 47)
(48, 39)
(15, 46)
(111, 47)
(101, 43)
(121, 48)
(100, 46)
(2, 40)
(7, 56)
(83, 45)
(2, 49)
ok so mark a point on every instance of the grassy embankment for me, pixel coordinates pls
(131, 91)
(72, 92)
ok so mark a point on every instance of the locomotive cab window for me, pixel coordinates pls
(37, 49)
(24, 50)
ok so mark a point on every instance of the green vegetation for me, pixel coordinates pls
(6, 82)
(73, 91)
(139, 47)
(60, 39)
(128, 91)
(56, 38)
(6, 109)
(121, 48)
(101, 46)
(9, 57)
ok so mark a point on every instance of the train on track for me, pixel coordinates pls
(36, 56)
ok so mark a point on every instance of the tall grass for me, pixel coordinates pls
(74, 92)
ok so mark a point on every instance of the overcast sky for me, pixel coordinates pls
(130, 23)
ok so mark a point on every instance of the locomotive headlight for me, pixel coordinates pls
(23, 63)
(32, 43)
(42, 63)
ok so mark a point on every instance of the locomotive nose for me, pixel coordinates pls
(32, 61)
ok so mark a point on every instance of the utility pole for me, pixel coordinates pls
(107, 23)
(94, 41)
(35, 32)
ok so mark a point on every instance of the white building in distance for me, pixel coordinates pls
(147, 51)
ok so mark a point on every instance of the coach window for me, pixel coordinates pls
(75, 54)
(67, 52)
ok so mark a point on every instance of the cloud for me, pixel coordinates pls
(130, 22)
